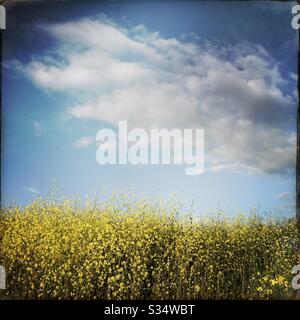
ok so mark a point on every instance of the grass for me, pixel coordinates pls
(142, 250)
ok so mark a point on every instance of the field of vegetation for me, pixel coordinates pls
(125, 249)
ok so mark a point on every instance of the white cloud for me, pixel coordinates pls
(287, 197)
(31, 189)
(288, 201)
(237, 94)
(39, 128)
(83, 142)
(283, 196)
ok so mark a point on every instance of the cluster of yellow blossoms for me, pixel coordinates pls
(140, 250)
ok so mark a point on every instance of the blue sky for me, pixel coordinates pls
(70, 69)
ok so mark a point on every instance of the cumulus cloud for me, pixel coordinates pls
(236, 93)
(83, 142)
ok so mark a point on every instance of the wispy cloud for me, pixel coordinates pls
(31, 189)
(286, 196)
(83, 142)
(39, 128)
(287, 201)
(236, 93)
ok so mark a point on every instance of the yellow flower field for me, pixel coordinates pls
(141, 250)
